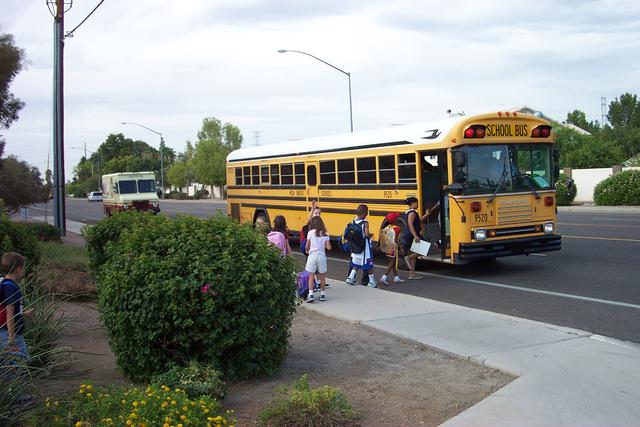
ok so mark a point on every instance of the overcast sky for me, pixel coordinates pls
(168, 64)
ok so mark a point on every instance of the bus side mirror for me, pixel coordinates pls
(454, 189)
(459, 159)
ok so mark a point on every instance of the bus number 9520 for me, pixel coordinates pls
(481, 217)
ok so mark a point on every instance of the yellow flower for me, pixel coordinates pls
(135, 404)
(143, 402)
(183, 417)
(205, 410)
(179, 425)
(82, 385)
(164, 404)
(173, 402)
(89, 395)
(81, 391)
(167, 419)
(165, 425)
(124, 402)
(129, 422)
(185, 408)
(79, 424)
(89, 387)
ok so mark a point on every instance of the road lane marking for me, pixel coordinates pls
(598, 225)
(616, 219)
(517, 288)
(564, 236)
(538, 254)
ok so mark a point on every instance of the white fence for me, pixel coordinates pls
(587, 179)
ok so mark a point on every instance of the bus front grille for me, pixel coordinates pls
(514, 212)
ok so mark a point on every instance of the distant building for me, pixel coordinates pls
(529, 110)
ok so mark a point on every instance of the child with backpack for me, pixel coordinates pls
(390, 245)
(277, 236)
(12, 312)
(359, 240)
(317, 243)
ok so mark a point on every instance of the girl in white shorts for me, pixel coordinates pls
(317, 243)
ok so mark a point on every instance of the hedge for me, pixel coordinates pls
(619, 189)
(565, 193)
(16, 238)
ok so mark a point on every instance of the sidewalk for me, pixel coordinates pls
(567, 377)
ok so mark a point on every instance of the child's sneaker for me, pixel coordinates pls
(397, 279)
(383, 280)
(310, 298)
(322, 297)
(372, 285)
(350, 281)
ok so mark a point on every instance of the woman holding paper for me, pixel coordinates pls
(414, 221)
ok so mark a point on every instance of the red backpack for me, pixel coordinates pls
(3, 307)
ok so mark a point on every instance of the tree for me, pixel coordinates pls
(624, 112)
(587, 151)
(11, 63)
(578, 118)
(209, 163)
(21, 184)
(178, 174)
(215, 142)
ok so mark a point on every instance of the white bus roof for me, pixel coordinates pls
(418, 133)
(128, 174)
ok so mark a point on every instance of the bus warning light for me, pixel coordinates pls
(475, 131)
(476, 206)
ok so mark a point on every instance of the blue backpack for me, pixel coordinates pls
(353, 240)
(302, 284)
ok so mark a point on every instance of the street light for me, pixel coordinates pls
(161, 153)
(85, 156)
(348, 74)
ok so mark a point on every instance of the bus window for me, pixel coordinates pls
(255, 175)
(299, 173)
(286, 171)
(246, 174)
(275, 174)
(407, 168)
(387, 169)
(264, 174)
(328, 172)
(367, 170)
(346, 171)
(238, 176)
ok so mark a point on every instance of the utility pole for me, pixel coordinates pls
(58, 120)
(603, 110)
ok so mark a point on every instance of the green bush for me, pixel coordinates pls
(211, 291)
(15, 238)
(41, 231)
(108, 231)
(565, 193)
(621, 189)
(124, 406)
(177, 195)
(301, 406)
(195, 379)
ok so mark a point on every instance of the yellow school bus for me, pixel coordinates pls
(493, 174)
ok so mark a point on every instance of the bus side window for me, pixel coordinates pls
(312, 179)
(246, 176)
(387, 169)
(299, 173)
(346, 171)
(407, 168)
(275, 174)
(367, 170)
(255, 175)
(238, 172)
(328, 172)
(264, 174)
(286, 171)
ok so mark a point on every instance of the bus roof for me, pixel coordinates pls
(418, 133)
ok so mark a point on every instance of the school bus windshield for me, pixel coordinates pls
(511, 167)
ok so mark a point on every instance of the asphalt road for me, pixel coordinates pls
(592, 284)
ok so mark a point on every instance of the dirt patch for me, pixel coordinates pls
(389, 381)
(74, 284)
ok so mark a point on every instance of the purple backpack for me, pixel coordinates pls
(302, 284)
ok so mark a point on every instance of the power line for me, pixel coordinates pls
(70, 33)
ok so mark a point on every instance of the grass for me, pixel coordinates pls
(64, 270)
(68, 257)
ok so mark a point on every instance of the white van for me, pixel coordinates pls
(129, 190)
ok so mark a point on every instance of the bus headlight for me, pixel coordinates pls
(548, 228)
(480, 234)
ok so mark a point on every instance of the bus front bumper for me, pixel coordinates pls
(501, 248)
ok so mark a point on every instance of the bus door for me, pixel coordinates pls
(433, 178)
(312, 182)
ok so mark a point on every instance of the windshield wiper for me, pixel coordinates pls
(529, 182)
(500, 182)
